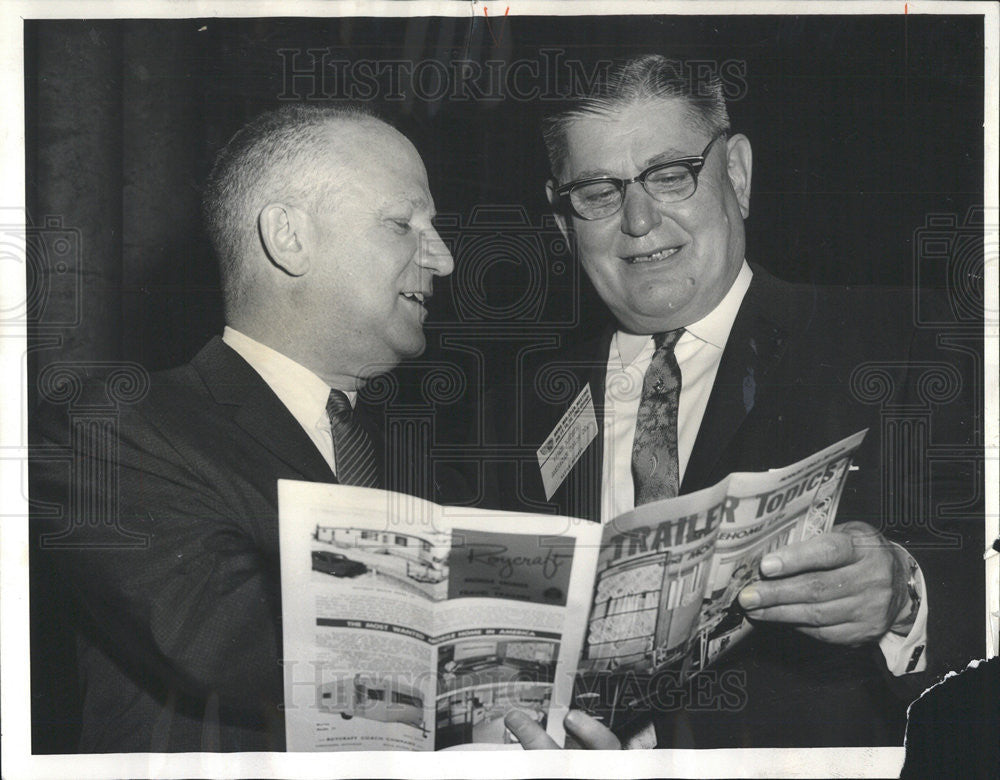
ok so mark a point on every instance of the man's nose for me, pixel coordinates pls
(434, 254)
(640, 213)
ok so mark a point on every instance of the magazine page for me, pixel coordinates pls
(669, 573)
(651, 576)
(511, 632)
(765, 511)
(411, 626)
(361, 571)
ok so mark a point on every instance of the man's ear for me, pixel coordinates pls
(550, 192)
(282, 228)
(740, 168)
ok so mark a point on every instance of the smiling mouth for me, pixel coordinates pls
(659, 254)
(416, 297)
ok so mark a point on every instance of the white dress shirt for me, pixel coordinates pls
(302, 392)
(698, 353)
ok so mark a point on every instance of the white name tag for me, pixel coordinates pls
(564, 446)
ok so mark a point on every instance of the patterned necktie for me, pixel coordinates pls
(353, 452)
(654, 450)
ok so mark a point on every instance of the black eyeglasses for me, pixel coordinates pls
(667, 182)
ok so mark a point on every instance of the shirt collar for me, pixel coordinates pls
(713, 328)
(299, 389)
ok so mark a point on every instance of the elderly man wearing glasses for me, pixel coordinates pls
(715, 366)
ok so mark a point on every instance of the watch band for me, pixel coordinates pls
(913, 591)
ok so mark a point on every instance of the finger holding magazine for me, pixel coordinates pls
(667, 599)
(413, 626)
(676, 577)
(582, 732)
(845, 587)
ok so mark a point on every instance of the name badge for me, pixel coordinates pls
(564, 446)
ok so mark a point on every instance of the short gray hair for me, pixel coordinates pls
(270, 158)
(632, 81)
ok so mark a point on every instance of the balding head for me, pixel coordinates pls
(283, 156)
(322, 220)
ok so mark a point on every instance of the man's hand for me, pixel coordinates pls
(846, 587)
(586, 732)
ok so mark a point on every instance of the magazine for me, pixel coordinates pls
(669, 573)
(413, 626)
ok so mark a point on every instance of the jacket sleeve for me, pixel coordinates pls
(173, 582)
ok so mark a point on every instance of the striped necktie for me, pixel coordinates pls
(353, 452)
(655, 470)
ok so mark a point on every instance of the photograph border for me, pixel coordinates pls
(14, 648)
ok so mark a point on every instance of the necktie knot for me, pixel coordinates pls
(338, 405)
(667, 339)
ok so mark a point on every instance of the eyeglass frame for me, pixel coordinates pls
(694, 164)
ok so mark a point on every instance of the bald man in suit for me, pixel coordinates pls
(166, 529)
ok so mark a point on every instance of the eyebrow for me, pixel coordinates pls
(417, 202)
(422, 204)
(665, 156)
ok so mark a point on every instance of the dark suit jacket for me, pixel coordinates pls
(803, 368)
(180, 637)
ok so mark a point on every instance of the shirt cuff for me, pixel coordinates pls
(905, 654)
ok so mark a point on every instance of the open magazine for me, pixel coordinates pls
(413, 626)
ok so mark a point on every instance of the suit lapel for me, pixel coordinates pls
(259, 412)
(755, 345)
(580, 493)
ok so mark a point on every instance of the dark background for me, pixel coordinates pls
(867, 135)
(861, 127)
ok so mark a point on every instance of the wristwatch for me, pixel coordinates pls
(913, 591)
